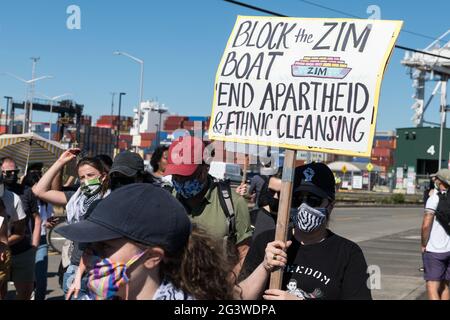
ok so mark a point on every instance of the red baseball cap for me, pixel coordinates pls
(185, 155)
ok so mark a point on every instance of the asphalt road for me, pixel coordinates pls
(389, 238)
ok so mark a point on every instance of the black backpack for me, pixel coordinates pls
(226, 202)
(443, 211)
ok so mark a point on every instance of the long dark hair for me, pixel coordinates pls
(203, 269)
(97, 164)
(31, 178)
(157, 156)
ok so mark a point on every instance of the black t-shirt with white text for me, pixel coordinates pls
(334, 269)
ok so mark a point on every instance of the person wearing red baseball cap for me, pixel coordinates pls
(210, 203)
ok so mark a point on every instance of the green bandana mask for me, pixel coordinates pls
(91, 187)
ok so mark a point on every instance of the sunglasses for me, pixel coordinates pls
(10, 173)
(310, 199)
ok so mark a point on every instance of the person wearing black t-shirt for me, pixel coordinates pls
(320, 264)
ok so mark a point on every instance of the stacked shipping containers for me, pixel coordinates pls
(96, 140)
(112, 122)
(173, 123)
(383, 152)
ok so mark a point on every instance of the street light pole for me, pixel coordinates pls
(160, 110)
(120, 109)
(29, 83)
(141, 89)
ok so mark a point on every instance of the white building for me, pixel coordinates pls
(150, 118)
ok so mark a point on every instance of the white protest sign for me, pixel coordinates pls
(303, 84)
(357, 182)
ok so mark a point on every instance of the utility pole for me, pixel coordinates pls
(8, 101)
(113, 94)
(118, 124)
(443, 116)
(29, 116)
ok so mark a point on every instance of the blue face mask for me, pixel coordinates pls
(189, 188)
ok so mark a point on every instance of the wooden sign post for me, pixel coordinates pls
(284, 209)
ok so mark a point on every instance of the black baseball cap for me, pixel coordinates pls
(316, 178)
(35, 166)
(127, 163)
(140, 212)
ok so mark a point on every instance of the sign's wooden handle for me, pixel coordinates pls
(276, 277)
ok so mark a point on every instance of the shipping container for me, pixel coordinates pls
(202, 119)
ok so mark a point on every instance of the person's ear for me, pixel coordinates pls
(153, 257)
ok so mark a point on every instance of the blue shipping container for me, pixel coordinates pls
(361, 160)
(198, 119)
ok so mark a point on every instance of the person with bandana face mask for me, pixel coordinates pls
(93, 187)
(320, 261)
(200, 195)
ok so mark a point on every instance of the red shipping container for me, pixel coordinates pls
(381, 152)
(146, 143)
(386, 144)
(148, 136)
(126, 137)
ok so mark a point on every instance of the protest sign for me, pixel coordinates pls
(302, 84)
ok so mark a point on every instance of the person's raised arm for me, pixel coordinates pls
(42, 189)
(71, 171)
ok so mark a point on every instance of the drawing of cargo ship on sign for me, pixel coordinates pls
(321, 67)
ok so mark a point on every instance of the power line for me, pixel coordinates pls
(242, 4)
(330, 9)
(255, 8)
(354, 16)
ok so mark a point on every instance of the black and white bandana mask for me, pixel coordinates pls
(308, 219)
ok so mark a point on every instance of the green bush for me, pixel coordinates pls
(386, 200)
(398, 198)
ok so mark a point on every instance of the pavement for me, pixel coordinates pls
(389, 238)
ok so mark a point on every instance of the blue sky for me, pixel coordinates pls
(181, 42)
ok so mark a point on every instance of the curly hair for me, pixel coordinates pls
(203, 269)
(157, 156)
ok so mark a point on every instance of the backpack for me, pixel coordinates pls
(443, 211)
(226, 202)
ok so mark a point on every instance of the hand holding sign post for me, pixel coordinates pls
(301, 84)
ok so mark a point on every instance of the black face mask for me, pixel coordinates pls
(267, 198)
(10, 178)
